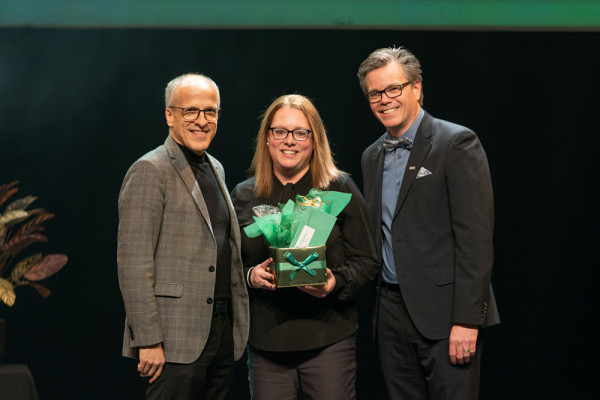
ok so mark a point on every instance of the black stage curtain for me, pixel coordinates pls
(78, 107)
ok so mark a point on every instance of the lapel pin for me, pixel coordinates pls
(412, 167)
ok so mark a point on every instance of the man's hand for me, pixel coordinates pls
(463, 339)
(320, 291)
(152, 360)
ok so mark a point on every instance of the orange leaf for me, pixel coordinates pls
(46, 267)
(42, 290)
(35, 223)
(18, 243)
(6, 191)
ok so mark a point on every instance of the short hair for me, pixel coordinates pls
(382, 57)
(322, 165)
(171, 86)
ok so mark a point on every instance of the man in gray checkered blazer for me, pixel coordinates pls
(180, 270)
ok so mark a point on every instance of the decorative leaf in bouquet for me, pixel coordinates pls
(20, 228)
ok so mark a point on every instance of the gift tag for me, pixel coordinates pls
(305, 236)
(321, 224)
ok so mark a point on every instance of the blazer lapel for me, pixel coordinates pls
(185, 171)
(418, 154)
(235, 231)
(377, 177)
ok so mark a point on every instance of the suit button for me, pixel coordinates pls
(209, 300)
(211, 268)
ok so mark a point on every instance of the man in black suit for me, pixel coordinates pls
(429, 192)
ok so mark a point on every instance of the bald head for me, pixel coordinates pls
(198, 80)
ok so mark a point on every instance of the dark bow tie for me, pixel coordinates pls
(391, 144)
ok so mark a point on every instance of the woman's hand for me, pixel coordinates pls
(320, 291)
(261, 276)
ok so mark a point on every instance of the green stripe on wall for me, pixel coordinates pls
(384, 14)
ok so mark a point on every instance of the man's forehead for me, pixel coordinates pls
(194, 87)
(390, 74)
(196, 82)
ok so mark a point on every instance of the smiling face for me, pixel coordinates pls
(395, 114)
(291, 157)
(194, 135)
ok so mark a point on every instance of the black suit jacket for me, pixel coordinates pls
(442, 227)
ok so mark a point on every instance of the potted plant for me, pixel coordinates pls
(19, 228)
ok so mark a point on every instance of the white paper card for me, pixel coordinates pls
(305, 236)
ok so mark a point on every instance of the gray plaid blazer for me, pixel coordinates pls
(165, 250)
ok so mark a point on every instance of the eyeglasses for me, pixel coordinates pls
(390, 92)
(282, 133)
(192, 113)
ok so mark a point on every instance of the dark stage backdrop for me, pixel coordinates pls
(78, 107)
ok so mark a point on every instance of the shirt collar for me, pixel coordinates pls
(306, 176)
(191, 156)
(411, 132)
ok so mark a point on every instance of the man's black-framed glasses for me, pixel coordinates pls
(282, 133)
(192, 113)
(390, 91)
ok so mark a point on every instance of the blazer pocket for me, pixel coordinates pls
(426, 179)
(443, 275)
(168, 289)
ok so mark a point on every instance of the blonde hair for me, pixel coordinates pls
(322, 164)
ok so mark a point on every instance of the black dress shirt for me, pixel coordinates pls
(219, 219)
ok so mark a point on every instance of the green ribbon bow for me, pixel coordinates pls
(302, 265)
